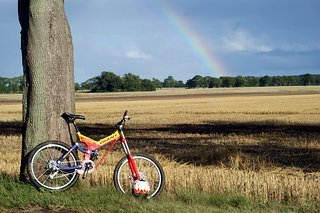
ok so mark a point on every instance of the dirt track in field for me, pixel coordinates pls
(183, 94)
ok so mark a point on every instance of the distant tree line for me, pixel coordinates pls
(11, 85)
(251, 81)
(110, 82)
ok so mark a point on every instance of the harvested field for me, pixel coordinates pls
(259, 142)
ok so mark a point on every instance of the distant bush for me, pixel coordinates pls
(252, 81)
(11, 85)
(110, 82)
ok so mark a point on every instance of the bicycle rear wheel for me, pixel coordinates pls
(148, 167)
(43, 170)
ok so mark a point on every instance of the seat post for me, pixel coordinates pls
(75, 126)
(70, 118)
(70, 134)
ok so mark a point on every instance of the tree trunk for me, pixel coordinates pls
(47, 58)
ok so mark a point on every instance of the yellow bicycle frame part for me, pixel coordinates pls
(101, 142)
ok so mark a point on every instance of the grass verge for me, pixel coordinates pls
(16, 196)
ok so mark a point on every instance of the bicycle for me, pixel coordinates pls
(54, 165)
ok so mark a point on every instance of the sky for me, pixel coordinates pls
(181, 38)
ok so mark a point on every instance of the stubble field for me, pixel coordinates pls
(258, 142)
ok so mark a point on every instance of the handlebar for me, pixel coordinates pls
(123, 120)
(70, 118)
(125, 113)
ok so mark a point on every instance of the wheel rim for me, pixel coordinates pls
(44, 171)
(146, 166)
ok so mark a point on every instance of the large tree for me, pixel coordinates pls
(47, 58)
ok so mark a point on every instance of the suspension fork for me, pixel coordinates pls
(132, 163)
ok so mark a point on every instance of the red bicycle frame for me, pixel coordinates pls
(92, 146)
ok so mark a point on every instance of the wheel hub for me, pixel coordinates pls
(52, 165)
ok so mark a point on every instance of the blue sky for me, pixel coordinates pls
(181, 38)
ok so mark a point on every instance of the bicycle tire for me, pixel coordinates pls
(147, 165)
(39, 167)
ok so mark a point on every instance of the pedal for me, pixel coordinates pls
(87, 167)
(85, 172)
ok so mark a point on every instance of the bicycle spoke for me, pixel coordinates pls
(42, 158)
(42, 174)
(62, 176)
(46, 179)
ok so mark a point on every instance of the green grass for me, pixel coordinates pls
(17, 196)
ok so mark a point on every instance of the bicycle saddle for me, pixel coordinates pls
(68, 117)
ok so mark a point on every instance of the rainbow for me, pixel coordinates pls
(194, 40)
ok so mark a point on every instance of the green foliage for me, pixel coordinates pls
(89, 84)
(240, 81)
(131, 83)
(107, 82)
(77, 86)
(170, 82)
(157, 83)
(197, 81)
(214, 82)
(11, 85)
(148, 85)
(110, 82)
(251, 81)
(228, 81)
(264, 81)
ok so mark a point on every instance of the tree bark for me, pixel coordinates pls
(47, 58)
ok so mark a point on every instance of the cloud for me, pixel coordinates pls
(241, 40)
(136, 54)
(299, 48)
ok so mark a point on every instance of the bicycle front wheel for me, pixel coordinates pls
(148, 167)
(44, 171)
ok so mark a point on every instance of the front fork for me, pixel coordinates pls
(132, 163)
